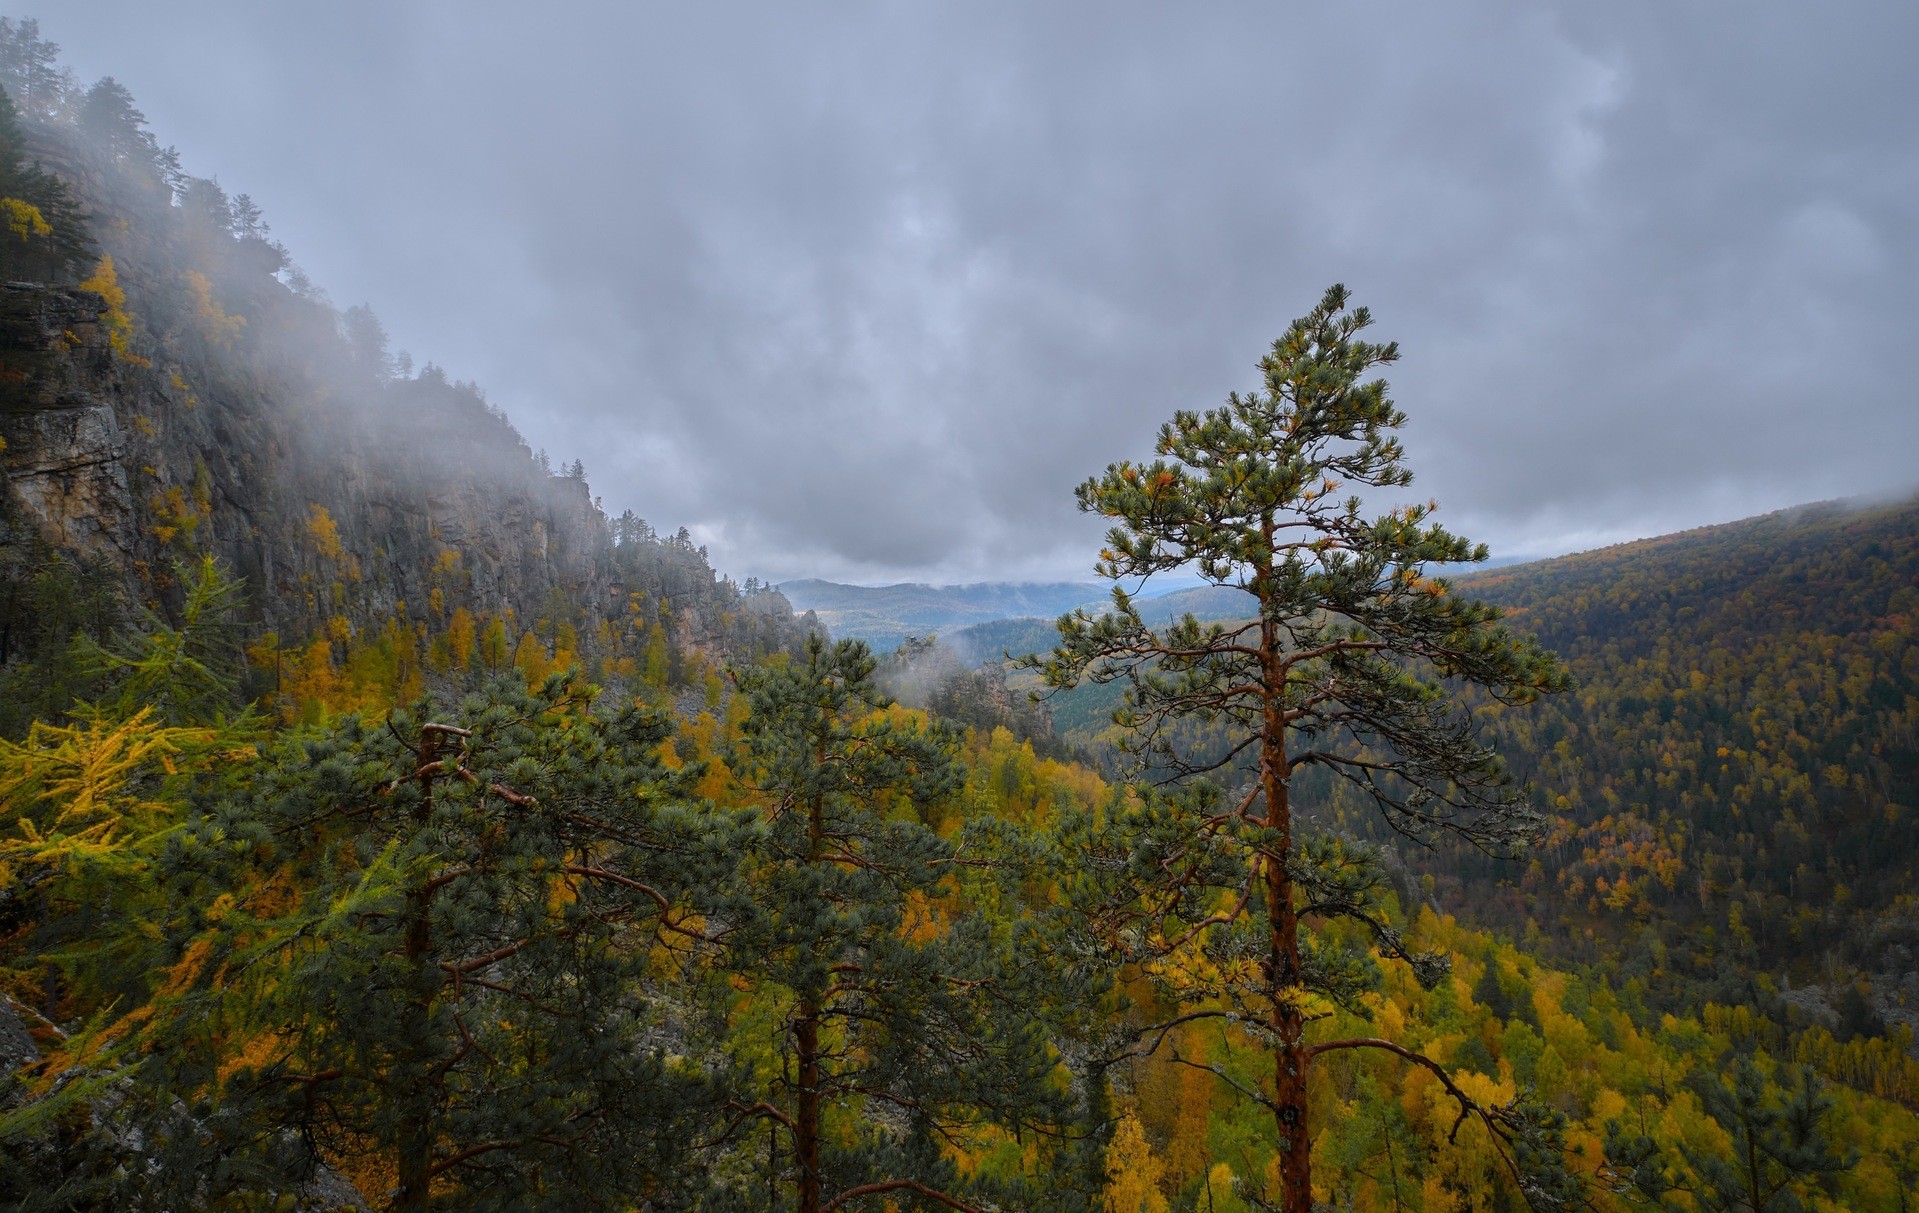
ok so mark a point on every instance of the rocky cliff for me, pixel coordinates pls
(63, 466)
(195, 396)
(362, 508)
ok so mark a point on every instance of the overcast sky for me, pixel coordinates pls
(862, 291)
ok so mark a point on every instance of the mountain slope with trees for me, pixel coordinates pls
(1730, 782)
(172, 387)
(1736, 777)
(385, 827)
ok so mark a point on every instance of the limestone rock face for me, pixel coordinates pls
(63, 464)
(329, 501)
(335, 494)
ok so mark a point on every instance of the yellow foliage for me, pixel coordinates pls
(460, 634)
(324, 532)
(923, 920)
(1186, 1148)
(1609, 1105)
(174, 516)
(1220, 1196)
(185, 972)
(1134, 1171)
(252, 1055)
(215, 324)
(86, 773)
(493, 648)
(310, 685)
(531, 659)
(105, 282)
(1436, 1197)
(24, 219)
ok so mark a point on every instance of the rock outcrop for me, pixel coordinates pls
(336, 494)
(63, 466)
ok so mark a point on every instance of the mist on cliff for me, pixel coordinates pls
(204, 280)
(174, 389)
(861, 294)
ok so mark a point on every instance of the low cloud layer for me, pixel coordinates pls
(861, 291)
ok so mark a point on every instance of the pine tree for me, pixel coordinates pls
(1344, 669)
(185, 674)
(1781, 1148)
(882, 1014)
(52, 611)
(29, 67)
(109, 891)
(115, 126)
(53, 240)
(465, 1000)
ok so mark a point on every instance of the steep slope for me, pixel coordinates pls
(192, 395)
(1732, 784)
(1737, 775)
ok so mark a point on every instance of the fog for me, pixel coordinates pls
(862, 291)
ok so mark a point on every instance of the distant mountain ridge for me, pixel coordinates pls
(885, 615)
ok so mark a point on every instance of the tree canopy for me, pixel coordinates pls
(1346, 668)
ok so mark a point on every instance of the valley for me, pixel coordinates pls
(387, 824)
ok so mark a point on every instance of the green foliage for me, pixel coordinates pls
(1778, 1148)
(103, 885)
(458, 994)
(1345, 670)
(425, 951)
(1735, 781)
(186, 673)
(52, 608)
(882, 1013)
(498, 953)
(46, 236)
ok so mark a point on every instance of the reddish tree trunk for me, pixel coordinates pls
(806, 1121)
(1290, 1058)
(806, 1124)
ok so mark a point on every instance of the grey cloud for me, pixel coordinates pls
(862, 291)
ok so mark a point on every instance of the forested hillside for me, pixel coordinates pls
(173, 388)
(383, 826)
(1731, 782)
(1735, 779)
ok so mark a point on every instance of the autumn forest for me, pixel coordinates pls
(383, 825)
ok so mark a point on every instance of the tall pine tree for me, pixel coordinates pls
(43, 232)
(1348, 666)
(880, 1017)
(464, 1004)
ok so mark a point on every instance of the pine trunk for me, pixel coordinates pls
(806, 1124)
(413, 1149)
(1288, 1025)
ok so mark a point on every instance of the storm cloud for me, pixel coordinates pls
(861, 291)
